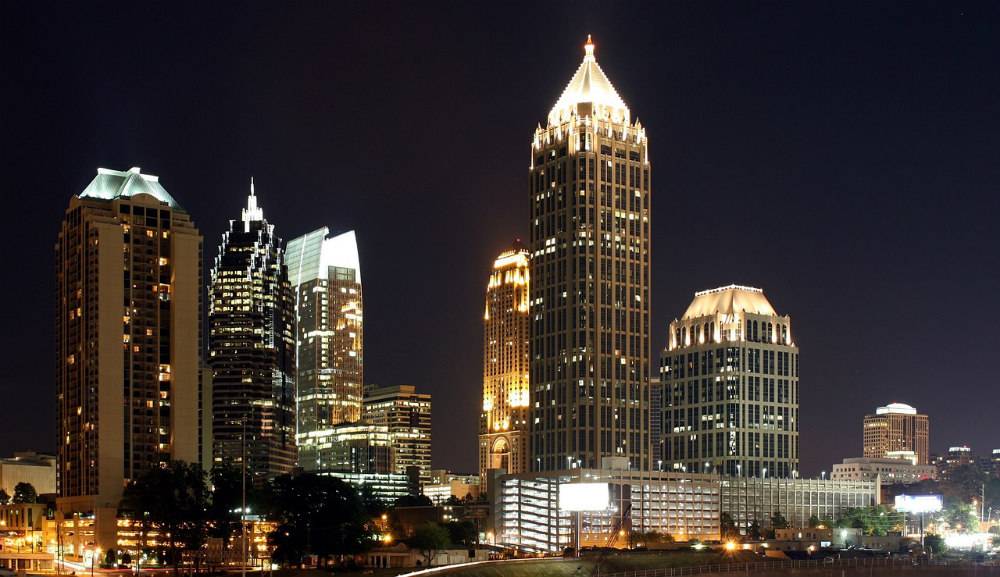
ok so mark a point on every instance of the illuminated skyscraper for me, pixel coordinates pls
(128, 343)
(503, 426)
(325, 275)
(730, 387)
(251, 346)
(589, 263)
(897, 431)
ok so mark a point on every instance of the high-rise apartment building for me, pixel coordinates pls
(897, 431)
(325, 275)
(730, 377)
(128, 343)
(251, 346)
(405, 415)
(589, 266)
(503, 423)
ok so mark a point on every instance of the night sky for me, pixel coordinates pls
(844, 157)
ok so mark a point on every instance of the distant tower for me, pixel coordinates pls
(589, 262)
(897, 431)
(503, 425)
(730, 387)
(252, 348)
(325, 275)
(406, 416)
(128, 342)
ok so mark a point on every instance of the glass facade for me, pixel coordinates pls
(326, 280)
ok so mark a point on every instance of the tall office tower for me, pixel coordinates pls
(503, 423)
(251, 347)
(897, 431)
(325, 275)
(730, 377)
(405, 415)
(128, 342)
(589, 264)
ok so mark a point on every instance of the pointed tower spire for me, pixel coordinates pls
(252, 212)
(589, 86)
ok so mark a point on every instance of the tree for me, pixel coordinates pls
(462, 533)
(25, 493)
(373, 505)
(414, 501)
(4, 497)
(778, 521)
(878, 520)
(317, 515)
(960, 516)
(650, 537)
(753, 531)
(814, 522)
(934, 543)
(727, 527)
(171, 499)
(429, 538)
(223, 511)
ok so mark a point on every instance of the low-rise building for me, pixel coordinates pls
(387, 487)
(527, 513)
(750, 499)
(36, 469)
(444, 485)
(888, 471)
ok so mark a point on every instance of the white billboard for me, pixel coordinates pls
(918, 503)
(584, 496)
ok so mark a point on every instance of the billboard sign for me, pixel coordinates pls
(918, 503)
(584, 497)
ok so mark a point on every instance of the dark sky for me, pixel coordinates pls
(844, 157)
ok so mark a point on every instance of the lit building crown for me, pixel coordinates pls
(729, 300)
(111, 184)
(589, 86)
(896, 409)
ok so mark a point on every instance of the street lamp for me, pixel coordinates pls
(822, 475)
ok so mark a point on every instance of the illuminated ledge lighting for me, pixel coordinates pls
(729, 287)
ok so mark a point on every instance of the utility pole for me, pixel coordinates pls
(243, 508)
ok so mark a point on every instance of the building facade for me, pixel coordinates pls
(325, 276)
(406, 416)
(589, 266)
(897, 431)
(730, 378)
(503, 423)
(527, 513)
(756, 499)
(887, 471)
(128, 342)
(38, 470)
(251, 349)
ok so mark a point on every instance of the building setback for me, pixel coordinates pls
(325, 275)
(589, 265)
(503, 423)
(730, 387)
(252, 349)
(897, 431)
(128, 343)
(405, 415)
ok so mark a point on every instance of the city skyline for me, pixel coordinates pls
(866, 345)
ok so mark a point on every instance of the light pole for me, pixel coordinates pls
(243, 509)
